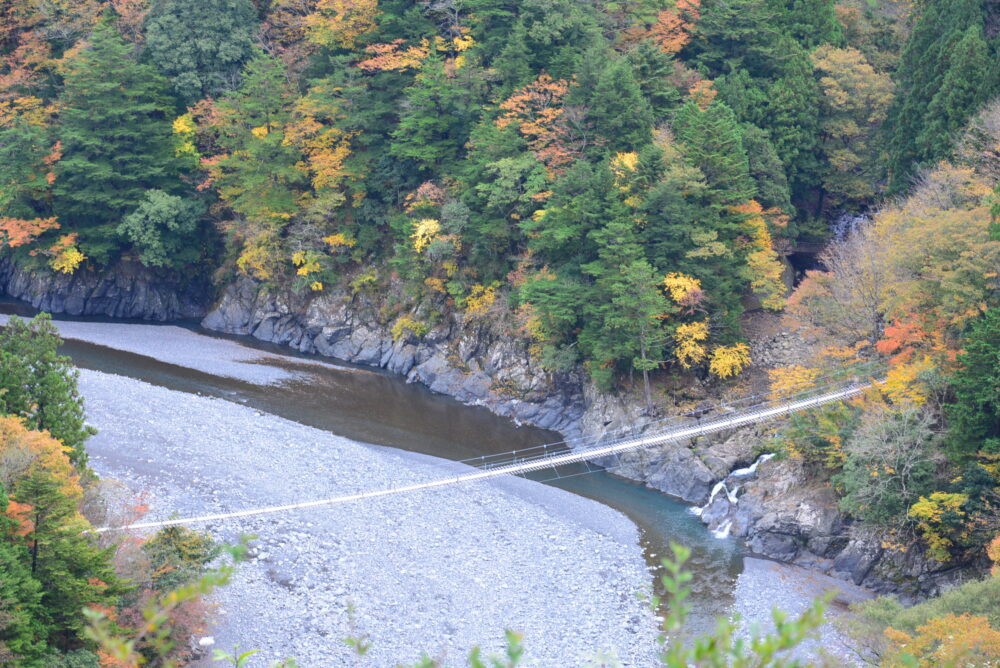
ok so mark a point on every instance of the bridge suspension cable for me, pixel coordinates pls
(536, 459)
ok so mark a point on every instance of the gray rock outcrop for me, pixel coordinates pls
(126, 290)
(474, 360)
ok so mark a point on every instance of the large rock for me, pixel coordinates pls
(477, 361)
(126, 290)
(783, 513)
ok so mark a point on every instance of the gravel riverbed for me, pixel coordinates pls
(186, 348)
(434, 571)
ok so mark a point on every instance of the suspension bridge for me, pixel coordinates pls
(733, 415)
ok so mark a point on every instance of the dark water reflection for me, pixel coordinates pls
(378, 408)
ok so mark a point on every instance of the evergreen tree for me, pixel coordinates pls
(438, 114)
(620, 115)
(651, 68)
(974, 414)
(622, 325)
(712, 142)
(766, 170)
(792, 119)
(964, 88)
(116, 140)
(74, 572)
(39, 385)
(201, 44)
(926, 61)
(812, 22)
(22, 630)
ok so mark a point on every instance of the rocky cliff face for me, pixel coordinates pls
(784, 513)
(778, 509)
(471, 359)
(127, 290)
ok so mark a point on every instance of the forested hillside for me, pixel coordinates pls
(615, 182)
(619, 175)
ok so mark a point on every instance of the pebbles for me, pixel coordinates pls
(438, 571)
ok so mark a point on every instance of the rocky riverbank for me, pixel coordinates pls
(423, 572)
(781, 514)
(127, 290)
(478, 362)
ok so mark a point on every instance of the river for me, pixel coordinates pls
(374, 407)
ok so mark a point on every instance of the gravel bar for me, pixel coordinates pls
(765, 585)
(438, 571)
(183, 347)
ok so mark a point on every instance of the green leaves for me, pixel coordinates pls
(39, 385)
(201, 44)
(116, 140)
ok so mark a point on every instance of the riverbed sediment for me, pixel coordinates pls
(435, 572)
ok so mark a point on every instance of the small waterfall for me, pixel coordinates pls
(723, 530)
(750, 470)
(846, 224)
(723, 485)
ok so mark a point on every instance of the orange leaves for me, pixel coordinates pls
(945, 641)
(341, 22)
(20, 513)
(392, 56)
(673, 27)
(23, 451)
(16, 232)
(538, 112)
(901, 340)
(703, 93)
(130, 18)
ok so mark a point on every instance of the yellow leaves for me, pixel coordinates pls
(29, 109)
(950, 640)
(406, 327)
(623, 162)
(435, 284)
(623, 165)
(729, 361)
(339, 240)
(531, 323)
(791, 380)
(260, 132)
(765, 270)
(426, 231)
(688, 343)
(260, 256)
(307, 263)
(933, 515)
(903, 385)
(680, 286)
(480, 299)
(184, 125)
(341, 22)
(66, 256)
